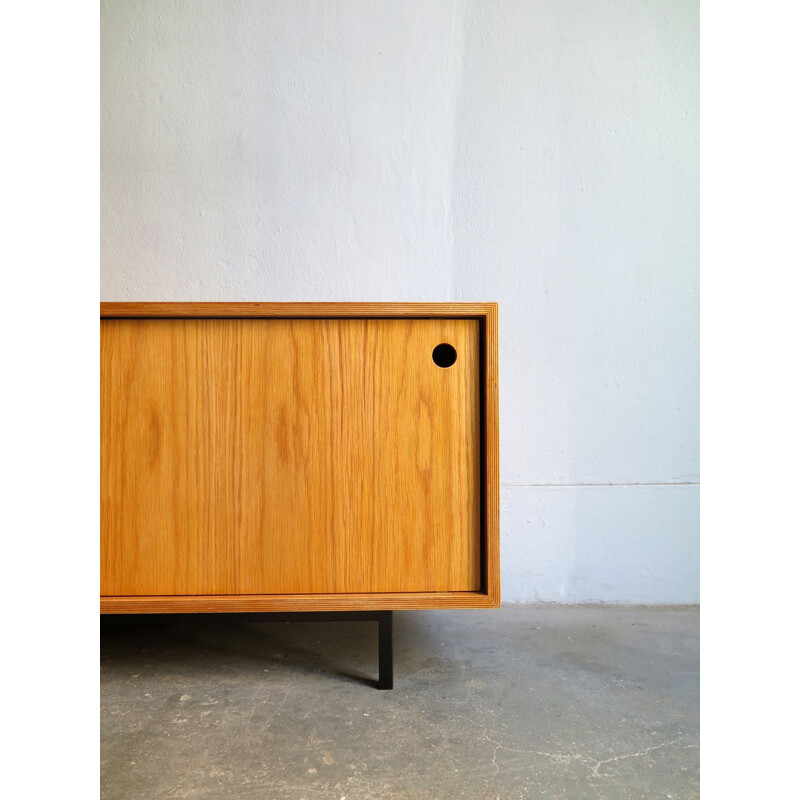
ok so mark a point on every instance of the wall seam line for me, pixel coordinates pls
(577, 485)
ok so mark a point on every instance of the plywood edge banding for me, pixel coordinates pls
(309, 602)
(294, 310)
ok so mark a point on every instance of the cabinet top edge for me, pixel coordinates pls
(238, 310)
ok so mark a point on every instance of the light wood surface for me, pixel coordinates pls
(295, 602)
(489, 593)
(491, 454)
(316, 310)
(286, 456)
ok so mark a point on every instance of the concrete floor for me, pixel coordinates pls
(518, 702)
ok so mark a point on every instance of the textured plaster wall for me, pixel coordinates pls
(543, 154)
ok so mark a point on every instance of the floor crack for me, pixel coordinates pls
(595, 770)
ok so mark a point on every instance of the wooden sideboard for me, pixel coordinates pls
(263, 457)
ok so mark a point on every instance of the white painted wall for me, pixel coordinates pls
(543, 154)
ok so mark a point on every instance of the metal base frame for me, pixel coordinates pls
(383, 618)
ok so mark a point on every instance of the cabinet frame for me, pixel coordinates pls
(488, 596)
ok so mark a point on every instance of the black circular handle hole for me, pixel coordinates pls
(444, 355)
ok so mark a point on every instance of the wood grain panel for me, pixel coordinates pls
(289, 456)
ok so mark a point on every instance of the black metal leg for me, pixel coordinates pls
(385, 655)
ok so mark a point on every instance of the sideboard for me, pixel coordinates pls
(298, 457)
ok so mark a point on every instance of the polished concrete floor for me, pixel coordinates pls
(519, 702)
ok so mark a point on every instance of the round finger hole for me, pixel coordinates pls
(444, 355)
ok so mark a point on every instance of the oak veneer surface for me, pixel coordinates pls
(289, 456)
